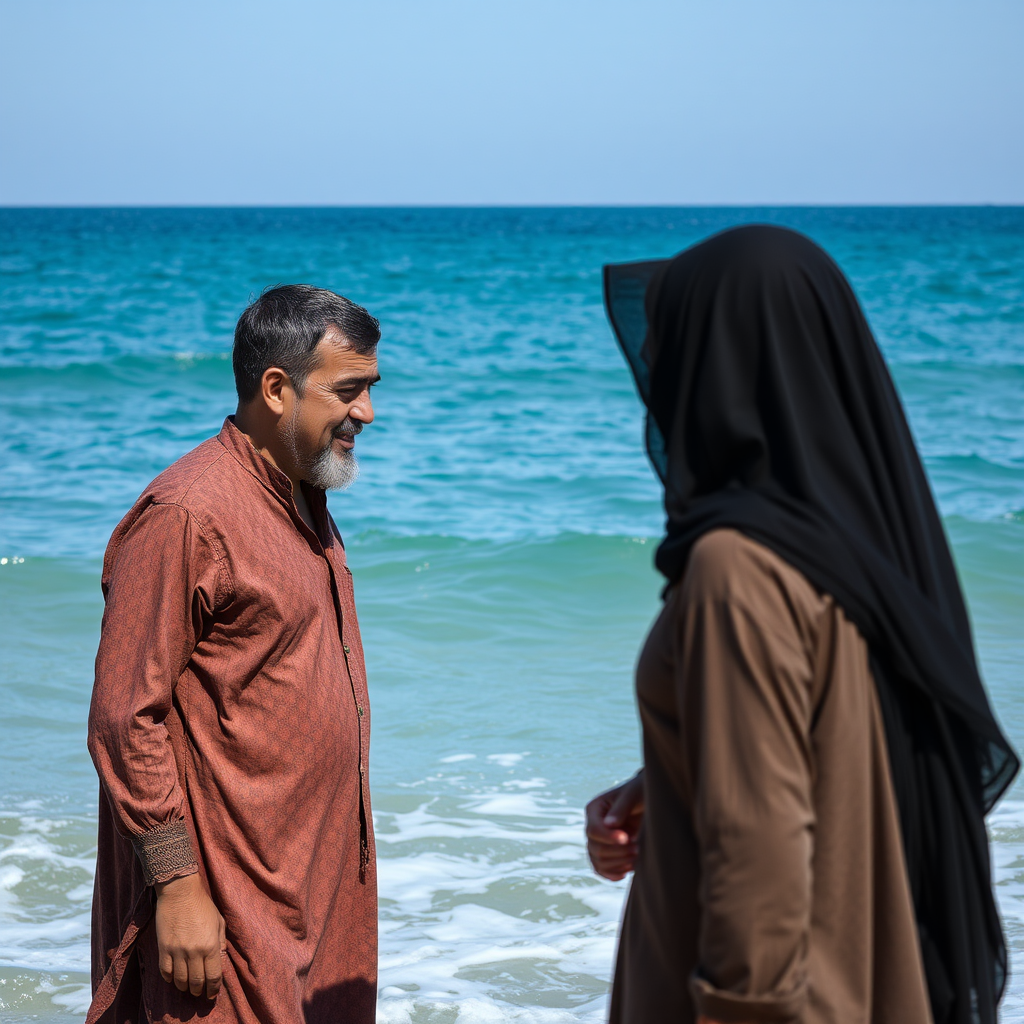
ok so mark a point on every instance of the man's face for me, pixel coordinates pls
(320, 429)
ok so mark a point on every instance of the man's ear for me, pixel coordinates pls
(274, 386)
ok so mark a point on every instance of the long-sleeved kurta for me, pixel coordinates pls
(770, 883)
(230, 730)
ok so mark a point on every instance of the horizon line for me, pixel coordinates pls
(156, 206)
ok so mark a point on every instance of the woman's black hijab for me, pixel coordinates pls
(771, 411)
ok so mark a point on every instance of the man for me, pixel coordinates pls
(229, 725)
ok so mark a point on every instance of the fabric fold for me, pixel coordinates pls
(728, 1008)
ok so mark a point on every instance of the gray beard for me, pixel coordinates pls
(330, 471)
(326, 469)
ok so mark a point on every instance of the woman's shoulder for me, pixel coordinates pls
(727, 565)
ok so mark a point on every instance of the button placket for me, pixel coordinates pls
(364, 823)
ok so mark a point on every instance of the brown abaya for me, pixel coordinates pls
(771, 883)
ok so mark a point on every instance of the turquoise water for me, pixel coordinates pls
(501, 535)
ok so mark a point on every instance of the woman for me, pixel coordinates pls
(807, 833)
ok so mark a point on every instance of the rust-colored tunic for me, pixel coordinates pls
(230, 730)
(770, 883)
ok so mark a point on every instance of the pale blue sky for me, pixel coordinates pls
(494, 101)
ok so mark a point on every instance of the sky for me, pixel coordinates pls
(505, 102)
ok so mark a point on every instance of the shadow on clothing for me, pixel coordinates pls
(351, 1002)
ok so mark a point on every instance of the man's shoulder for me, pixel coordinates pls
(198, 481)
(169, 501)
(194, 488)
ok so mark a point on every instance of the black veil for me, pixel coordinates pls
(771, 411)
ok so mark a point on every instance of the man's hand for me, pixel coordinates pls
(189, 936)
(613, 824)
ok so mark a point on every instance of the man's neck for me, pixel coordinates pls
(265, 447)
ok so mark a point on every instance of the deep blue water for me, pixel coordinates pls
(501, 535)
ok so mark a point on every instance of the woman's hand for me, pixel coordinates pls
(189, 936)
(613, 824)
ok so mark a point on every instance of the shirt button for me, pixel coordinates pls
(346, 648)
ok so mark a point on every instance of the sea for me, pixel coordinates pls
(501, 533)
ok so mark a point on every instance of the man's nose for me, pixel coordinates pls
(362, 408)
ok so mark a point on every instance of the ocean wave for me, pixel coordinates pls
(162, 367)
(46, 869)
(488, 904)
(1006, 828)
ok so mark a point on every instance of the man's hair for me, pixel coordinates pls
(283, 328)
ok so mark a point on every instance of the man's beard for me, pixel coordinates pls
(325, 469)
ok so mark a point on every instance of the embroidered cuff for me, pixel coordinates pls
(730, 1008)
(165, 852)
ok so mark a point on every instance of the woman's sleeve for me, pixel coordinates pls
(746, 674)
(159, 592)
